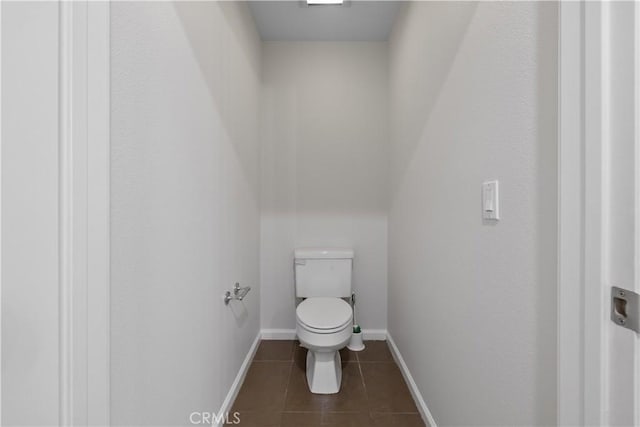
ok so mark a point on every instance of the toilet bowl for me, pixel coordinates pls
(324, 326)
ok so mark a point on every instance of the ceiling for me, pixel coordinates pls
(295, 21)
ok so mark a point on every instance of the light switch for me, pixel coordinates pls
(490, 200)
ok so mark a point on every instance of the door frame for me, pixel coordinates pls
(582, 145)
(583, 162)
(98, 211)
(83, 200)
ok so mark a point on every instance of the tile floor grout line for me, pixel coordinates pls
(364, 386)
(292, 362)
(333, 412)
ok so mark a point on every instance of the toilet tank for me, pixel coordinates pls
(323, 272)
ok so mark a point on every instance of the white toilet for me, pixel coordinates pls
(324, 319)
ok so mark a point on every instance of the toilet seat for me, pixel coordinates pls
(324, 315)
(347, 325)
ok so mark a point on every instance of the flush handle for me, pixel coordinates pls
(625, 308)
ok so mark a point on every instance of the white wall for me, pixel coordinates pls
(324, 168)
(472, 305)
(185, 206)
(30, 331)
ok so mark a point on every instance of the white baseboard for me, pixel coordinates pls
(278, 334)
(417, 396)
(290, 334)
(237, 382)
(374, 334)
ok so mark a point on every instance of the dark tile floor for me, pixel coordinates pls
(373, 392)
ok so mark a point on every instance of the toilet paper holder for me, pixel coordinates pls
(237, 293)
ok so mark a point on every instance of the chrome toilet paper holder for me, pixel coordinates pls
(237, 293)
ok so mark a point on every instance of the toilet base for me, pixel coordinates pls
(324, 372)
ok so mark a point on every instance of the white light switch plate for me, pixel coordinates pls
(490, 200)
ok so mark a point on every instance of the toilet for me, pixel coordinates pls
(323, 319)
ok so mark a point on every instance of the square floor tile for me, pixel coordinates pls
(326, 419)
(386, 389)
(375, 351)
(346, 419)
(396, 420)
(351, 396)
(301, 419)
(264, 387)
(275, 350)
(255, 419)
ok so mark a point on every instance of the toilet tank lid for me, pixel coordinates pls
(323, 253)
